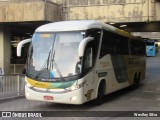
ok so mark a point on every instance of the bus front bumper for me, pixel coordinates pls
(72, 97)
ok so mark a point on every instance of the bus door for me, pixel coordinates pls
(89, 62)
(88, 72)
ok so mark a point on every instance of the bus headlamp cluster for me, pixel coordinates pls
(77, 86)
(72, 88)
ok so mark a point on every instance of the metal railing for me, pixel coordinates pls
(11, 86)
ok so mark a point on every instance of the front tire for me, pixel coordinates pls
(136, 81)
(100, 95)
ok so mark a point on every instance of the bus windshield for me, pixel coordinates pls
(53, 55)
(150, 43)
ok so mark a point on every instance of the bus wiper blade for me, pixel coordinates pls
(48, 59)
(43, 66)
(56, 66)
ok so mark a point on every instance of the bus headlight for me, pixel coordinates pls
(77, 86)
(74, 87)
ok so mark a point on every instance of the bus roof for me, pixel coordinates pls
(79, 25)
(69, 26)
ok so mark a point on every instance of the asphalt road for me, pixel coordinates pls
(145, 98)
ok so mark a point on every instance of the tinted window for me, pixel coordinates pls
(96, 33)
(113, 44)
(137, 47)
(150, 43)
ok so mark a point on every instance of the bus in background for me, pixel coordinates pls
(73, 62)
(150, 48)
(157, 47)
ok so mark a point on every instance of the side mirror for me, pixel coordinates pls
(20, 44)
(82, 46)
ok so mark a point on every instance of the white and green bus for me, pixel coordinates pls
(74, 62)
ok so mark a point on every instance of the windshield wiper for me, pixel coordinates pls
(48, 59)
(43, 66)
(56, 66)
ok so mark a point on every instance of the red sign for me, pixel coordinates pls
(48, 98)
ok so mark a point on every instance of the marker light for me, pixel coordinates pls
(112, 23)
(77, 86)
(73, 87)
(122, 26)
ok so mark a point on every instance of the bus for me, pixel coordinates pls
(73, 62)
(150, 48)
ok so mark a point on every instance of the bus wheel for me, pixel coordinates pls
(99, 100)
(136, 81)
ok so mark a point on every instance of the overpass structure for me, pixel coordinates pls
(19, 19)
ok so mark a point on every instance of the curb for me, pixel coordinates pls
(11, 98)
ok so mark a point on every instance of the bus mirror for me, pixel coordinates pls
(20, 44)
(82, 46)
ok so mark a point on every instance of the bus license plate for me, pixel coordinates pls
(48, 98)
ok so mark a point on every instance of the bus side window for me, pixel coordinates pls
(104, 47)
(114, 44)
(137, 47)
(96, 33)
(88, 59)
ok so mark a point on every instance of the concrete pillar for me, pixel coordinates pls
(5, 49)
